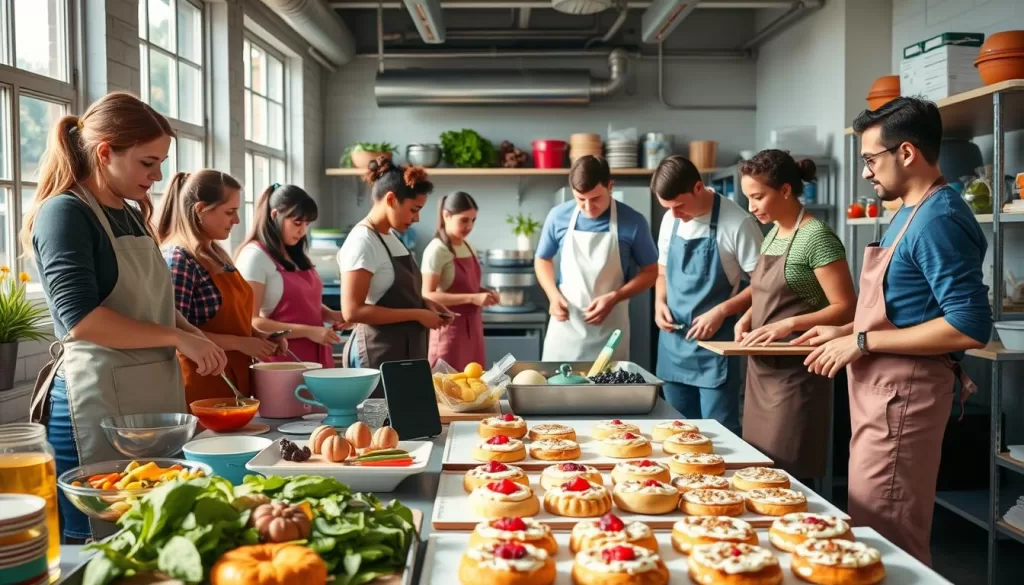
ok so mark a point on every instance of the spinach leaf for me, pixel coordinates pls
(180, 559)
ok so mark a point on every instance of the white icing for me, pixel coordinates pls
(633, 468)
(594, 492)
(719, 556)
(796, 524)
(554, 471)
(762, 474)
(509, 473)
(688, 439)
(523, 493)
(696, 481)
(644, 562)
(607, 425)
(698, 458)
(634, 487)
(496, 421)
(842, 553)
(555, 445)
(776, 496)
(512, 445)
(620, 439)
(552, 429)
(682, 427)
(631, 532)
(717, 497)
(719, 527)
(534, 531)
(484, 554)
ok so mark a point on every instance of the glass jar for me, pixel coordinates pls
(27, 466)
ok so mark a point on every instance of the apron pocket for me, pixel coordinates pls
(134, 387)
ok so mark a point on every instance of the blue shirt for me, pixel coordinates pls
(636, 243)
(936, 270)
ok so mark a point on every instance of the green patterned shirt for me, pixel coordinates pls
(816, 245)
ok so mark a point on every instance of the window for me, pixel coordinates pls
(265, 145)
(171, 62)
(36, 90)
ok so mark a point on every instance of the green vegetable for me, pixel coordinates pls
(468, 149)
(180, 559)
(523, 225)
(382, 147)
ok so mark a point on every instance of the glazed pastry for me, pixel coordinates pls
(490, 472)
(619, 564)
(689, 463)
(711, 503)
(837, 562)
(506, 563)
(522, 530)
(666, 429)
(556, 475)
(578, 498)
(733, 564)
(510, 425)
(607, 428)
(554, 450)
(775, 501)
(640, 470)
(699, 481)
(752, 478)
(552, 431)
(646, 497)
(627, 445)
(610, 529)
(687, 443)
(792, 530)
(693, 531)
(500, 448)
(503, 498)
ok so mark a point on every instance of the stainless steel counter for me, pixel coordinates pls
(532, 318)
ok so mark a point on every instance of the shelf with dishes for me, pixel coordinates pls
(983, 218)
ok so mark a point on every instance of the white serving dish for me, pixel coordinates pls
(462, 437)
(360, 479)
(1017, 452)
(1011, 333)
(445, 550)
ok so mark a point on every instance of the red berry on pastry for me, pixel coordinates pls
(509, 524)
(495, 467)
(577, 485)
(510, 550)
(508, 417)
(735, 552)
(628, 435)
(644, 463)
(677, 423)
(618, 553)
(616, 422)
(652, 483)
(498, 440)
(611, 523)
(813, 521)
(571, 467)
(504, 486)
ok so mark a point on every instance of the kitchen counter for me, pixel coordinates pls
(534, 317)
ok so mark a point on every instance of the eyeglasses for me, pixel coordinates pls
(869, 159)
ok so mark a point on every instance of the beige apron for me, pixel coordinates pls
(899, 407)
(104, 382)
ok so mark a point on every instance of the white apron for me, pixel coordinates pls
(589, 267)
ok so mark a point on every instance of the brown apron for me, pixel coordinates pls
(899, 407)
(396, 341)
(787, 410)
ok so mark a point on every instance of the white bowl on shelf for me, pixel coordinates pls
(1011, 333)
(1017, 452)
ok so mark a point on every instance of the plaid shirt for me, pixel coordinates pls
(195, 294)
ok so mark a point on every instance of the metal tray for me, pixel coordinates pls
(582, 399)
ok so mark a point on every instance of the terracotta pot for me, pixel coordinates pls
(876, 102)
(998, 68)
(1002, 41)
(885, 84)
(361, 158)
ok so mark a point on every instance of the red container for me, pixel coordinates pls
(549, 154)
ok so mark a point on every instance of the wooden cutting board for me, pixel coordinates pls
(730, 348)
(448, 416)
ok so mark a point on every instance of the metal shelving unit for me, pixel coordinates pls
(993, 109)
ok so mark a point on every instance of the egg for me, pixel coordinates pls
(529, 378)
(359, 435)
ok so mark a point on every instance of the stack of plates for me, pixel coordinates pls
(25, 537)
(622, 154)
(584, 144)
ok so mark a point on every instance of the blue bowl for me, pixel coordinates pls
(227, 456)
(338, 390)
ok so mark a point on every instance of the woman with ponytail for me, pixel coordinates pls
(199, 209)
(451, 277)
(287, 291)
(107, 286)
(380, 282)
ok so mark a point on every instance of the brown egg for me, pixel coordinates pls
(384, 438)
(336, 449)
(359, 435)
(316, 440)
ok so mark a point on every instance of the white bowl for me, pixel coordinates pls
(1017, 452)
(1011, 333)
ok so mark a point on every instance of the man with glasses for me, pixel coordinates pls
(922, 304)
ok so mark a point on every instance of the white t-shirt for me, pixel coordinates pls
(739, 238)
(438, 259)
(362, 250)
(256, 265)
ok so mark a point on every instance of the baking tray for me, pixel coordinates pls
(445, 550)
(731, 348)
(582, 399)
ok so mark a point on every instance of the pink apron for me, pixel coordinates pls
(301, 304)
(462, 341)
(899, 407)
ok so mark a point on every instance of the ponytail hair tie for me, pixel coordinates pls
(80, 124)
(275, 186)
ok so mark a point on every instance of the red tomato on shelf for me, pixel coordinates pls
(873, 210)
(855, 211)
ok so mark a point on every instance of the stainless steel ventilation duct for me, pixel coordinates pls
(316, 22)
(420, 87)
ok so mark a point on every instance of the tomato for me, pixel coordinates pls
(873, 210)
(854, 211)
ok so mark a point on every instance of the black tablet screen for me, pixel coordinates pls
(409, 390)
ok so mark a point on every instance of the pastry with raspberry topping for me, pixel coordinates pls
(510, 425)
(504, 498)
(619, 564)
(500, 448)
(578, 498)
(694, 531)
(547, 431)
(607, 428)
(515, 529)
(610, 529)
(625, 445)
(752, 478)
(645, 497)
(555, 450)
(490, 472)
(837, 562)
(506, 563)
(791, 530)
(687, 443)
(733, 563)
(556, 475)
(640, 470)
(664, 430)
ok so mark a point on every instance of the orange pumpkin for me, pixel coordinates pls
(269, 564)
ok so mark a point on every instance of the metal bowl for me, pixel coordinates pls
(509, 258)
(510, 279)
(510, 297)
(423, 155)
(142, 436)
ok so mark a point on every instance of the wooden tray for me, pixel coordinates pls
(731, 348)
(452, 510)
(449, 416)
(462, 437)
(445, 550)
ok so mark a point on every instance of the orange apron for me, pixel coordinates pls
(234, 317)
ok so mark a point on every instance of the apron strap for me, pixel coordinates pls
(374, 231)
(716, 207)
(39, 407)
(938, 184)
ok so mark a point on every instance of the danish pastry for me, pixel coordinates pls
(646, 497)
(503, 498)
(490, 472)
(791, 530)
(554, 450)
(510, 425)
(640, 470)
(610, 529)
(506, 563)
(551, 431)
(627, 445)
(500, 448)
(699, 481)
(733, 564)
(711, 503)
(515, 529)
(775, 501)
(694, 531)
(556, 475)
(666, 429)
(687, 443)
(578, 498)
(752, 478)
(690, 463)
(619, 564)
(837, 562)
(607, 428)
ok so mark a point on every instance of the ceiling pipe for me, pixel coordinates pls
(428, 16)
(546, 4)
(674, 55)
(319, 25)
(523, 17)
(797, 11)
(618, 62)
(621, 20)
(694, 107)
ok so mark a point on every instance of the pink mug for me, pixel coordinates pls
(274, 386)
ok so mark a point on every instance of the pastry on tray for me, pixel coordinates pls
(556, 475)
(510, 425)
(500, 448)
(837, 562)
(705, 463)
(645, 497)
(619, 564)
(791, 530)
(515, 529)
(578, 498)
(490, 472)
(552, 431)
(752, 478)
(627, 445)
(775, 501)
(506, 563)
(640, 470)
(607, 428)
(503, 498)
(668, 428)
(711, 503)
(730, 563)
(693, 531)
(610, 529)
(699, 481)
(554, 450)
(687, 443)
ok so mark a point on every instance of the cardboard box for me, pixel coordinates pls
(940, 72)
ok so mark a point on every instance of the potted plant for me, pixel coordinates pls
(20, 319)
(360, 154)
(525, 229)
(467, 149)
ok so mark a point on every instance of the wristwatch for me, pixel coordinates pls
(862, 342)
